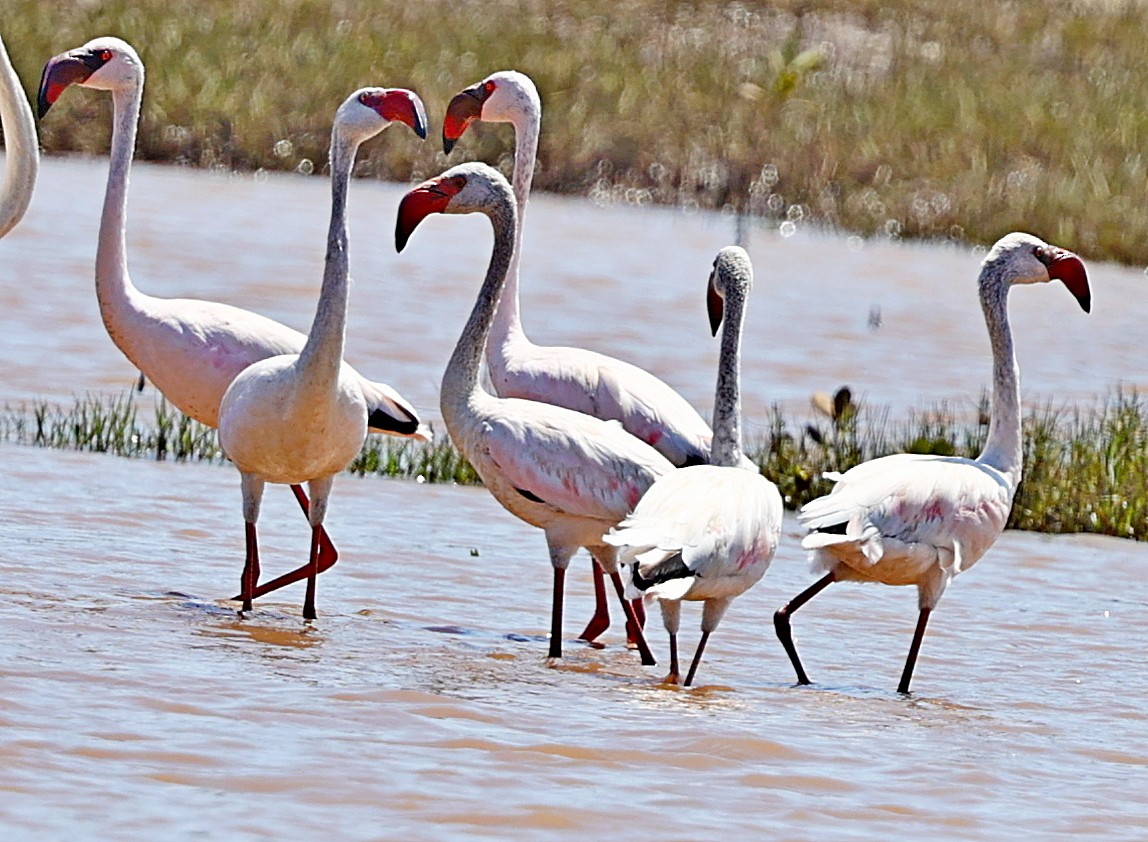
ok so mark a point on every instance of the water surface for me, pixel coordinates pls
(135, 704)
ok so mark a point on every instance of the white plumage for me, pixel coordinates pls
(572, 475)
(920, 520)
(707, 532)
(302, 417)
(576, 378)
(190, 349)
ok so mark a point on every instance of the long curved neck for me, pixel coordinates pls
(726, 448)
(460, 382)
(114, 289)
(321, 357)
(507, 321)
(21, 152)
(1003, 449)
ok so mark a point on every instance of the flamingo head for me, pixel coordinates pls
(732, 270)
(464, 109)
(368, 111)
(1026, 259)
(105, 64)
(502, 97)
(432, 196)
(466, 188)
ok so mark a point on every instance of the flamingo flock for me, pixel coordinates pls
(596, 452)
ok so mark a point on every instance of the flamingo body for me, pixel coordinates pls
(575, 378)
(920, 520)
(189, 348)
(707, 532)
(272, 425)
(908, 519)
(570, 474)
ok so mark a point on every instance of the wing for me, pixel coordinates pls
(606, 388)
(899, 503)
(703, 521)
(572, 462)
(389, 412)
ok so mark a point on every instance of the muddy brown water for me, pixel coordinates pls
(135, 704)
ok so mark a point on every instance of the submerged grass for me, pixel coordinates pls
(1086, 469)
(885, 117)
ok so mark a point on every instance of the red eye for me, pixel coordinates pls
(489, 88)
(106, 55)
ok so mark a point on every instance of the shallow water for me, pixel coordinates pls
(135, 704)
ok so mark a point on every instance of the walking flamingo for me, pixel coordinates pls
(302, 417)
(570, 474)
(189, 348)
(911, 519)
(706, 532)
(575, 378)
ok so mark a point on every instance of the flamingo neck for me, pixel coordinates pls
(322, 355)
(507, 327)
(21, 152)
(726, 448)
(1003, 449)
(460, 384)
(114, 290)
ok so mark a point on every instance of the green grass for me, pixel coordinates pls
(1086, 468)
(892, 118)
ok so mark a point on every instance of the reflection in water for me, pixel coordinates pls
(135, 703)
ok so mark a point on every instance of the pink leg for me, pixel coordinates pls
(648, 659)
(640, 613)
(312, 575)
(601, 619)
(556, 613)
(328, 555)
(250, 577)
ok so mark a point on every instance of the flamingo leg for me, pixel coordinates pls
(640, 614)
(601, 619)
(250, 576)
(556, 613)
(328, 555)
(312, 575)
(697, 658)
(911, 661)
(781, 622)
(675, 675)
(648, 659)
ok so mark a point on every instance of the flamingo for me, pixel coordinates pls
(570, 474)
(911, 519)
(21, 152)
(302, 417)
(189, 348)
(575, 378)
(706, 532)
